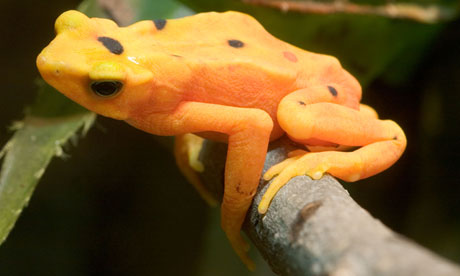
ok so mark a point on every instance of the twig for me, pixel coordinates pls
(425, 14)
(118, 10)
(315, 228)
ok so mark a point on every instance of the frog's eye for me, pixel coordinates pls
(106, 78)
(106, 88)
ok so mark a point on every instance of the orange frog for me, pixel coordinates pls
(223, 77)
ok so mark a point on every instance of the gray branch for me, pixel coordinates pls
(316, 228)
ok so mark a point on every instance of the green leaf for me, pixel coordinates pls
(27, 154)
(50, 123)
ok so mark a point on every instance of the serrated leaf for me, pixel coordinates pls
(27, 155)
(48, 125)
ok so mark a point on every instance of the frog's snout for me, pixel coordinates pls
(46, 67)
(49, 70)
(62, 75)
(41, 61)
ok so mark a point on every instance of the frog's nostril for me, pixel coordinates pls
(47, 66)
(44, 64)
(41, 60)
(48, 69)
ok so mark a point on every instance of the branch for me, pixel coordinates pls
(425, 14)
(119, 11)
(315, 228)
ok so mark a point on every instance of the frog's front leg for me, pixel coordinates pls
(248, 131)
(381, 143)
(186, 150)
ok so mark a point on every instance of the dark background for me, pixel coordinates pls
(118, 206)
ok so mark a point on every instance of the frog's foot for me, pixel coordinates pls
(311, 164)
(186, 150)
(276, 169)
(233, 215)
(381, 142)
(241, 248)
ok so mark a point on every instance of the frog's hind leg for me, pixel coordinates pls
(381, 142)
(187, 148)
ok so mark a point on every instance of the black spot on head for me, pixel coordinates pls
(111, 44)
(332, 90)
(235, 43)
(159, 23)
(395, 138)
(302, 103)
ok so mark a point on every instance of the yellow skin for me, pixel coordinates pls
(223, 77)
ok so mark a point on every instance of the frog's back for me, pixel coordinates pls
(235, 61)
(231, 37)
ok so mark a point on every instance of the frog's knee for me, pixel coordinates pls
(263, 122)
(368, 111)
(295, 118)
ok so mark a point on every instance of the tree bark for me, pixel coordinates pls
(314, 227)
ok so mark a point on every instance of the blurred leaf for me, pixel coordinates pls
(147, 9)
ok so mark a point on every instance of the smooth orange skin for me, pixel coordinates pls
(187, 77)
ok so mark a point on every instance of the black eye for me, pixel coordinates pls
(106, 88)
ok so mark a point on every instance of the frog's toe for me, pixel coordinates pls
(316, 175)
(283, 177)
(187, 150)
(315, 165)
(248, 261)
(309, 164)
(278, 168)
(317, 172)
(241, 248)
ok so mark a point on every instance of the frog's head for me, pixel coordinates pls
(88, 63)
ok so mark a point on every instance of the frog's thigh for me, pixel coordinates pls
(333, 123)
(186, 150)
(382, 143)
